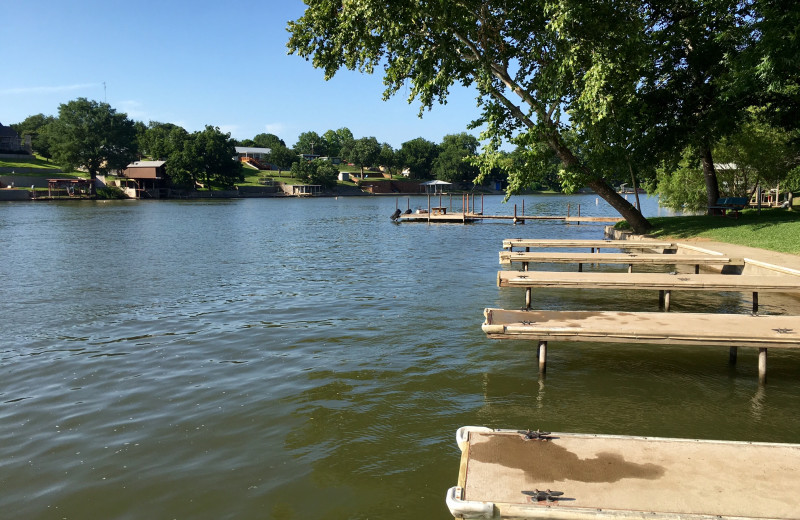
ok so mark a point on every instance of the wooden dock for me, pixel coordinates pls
(629, 259)
(696, 329)
(510, 243)
(665, 283)
(464, 218)
(520, 474)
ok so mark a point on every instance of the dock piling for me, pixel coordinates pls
(543, 356)
(762, 365)
(733, 354)
(755, 302)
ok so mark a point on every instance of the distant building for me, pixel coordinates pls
(259, 154)
(256, 157)
(11, 142)
(145, 179)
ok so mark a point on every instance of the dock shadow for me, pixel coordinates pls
(547, 461)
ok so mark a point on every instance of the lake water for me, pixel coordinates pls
(297, 359)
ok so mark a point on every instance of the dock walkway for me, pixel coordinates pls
(604, 477)
(665, 283)
(697, 329)
(629, 259)
(511, 243)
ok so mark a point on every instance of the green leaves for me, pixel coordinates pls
(92, 135)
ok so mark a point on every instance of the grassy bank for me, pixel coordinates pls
(772, 229)
(37, 162)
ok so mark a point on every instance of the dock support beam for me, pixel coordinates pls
(762, 366)
(666, 300)
(755, 302)
(542, 356)
(733, 353)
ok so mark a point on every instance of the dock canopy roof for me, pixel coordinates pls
(145, 170)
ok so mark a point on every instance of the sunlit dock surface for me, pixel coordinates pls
(559, 476)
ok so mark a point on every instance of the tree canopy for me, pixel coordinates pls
(364, 152)
(38, 127)
(417, 155)
(94, 136)
(532, 62)
(311, 143)
(452, 164)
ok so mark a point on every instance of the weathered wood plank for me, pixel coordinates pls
(507, 257)
(622, 477)
(606, 244)
(648, 281)
(698, 329)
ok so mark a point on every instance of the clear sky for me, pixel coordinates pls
(198, 62)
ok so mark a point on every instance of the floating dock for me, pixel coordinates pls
(559, 476)
(470, 213)
(511, 243)
(629, 259)
(661, 328)
(665, 283)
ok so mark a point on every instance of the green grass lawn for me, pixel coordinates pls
(772, 229)
(37, 162)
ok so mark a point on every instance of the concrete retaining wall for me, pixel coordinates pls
(15, 195)
(23, 181)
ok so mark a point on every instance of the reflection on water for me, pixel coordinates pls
(294, 359)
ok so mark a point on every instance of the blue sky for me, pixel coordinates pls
(195, 63)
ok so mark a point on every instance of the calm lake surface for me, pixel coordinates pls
(297, 359)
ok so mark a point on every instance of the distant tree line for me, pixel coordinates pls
(93, 136)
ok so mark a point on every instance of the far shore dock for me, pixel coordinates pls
(470, 213)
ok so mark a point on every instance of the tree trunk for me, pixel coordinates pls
(638, 223)
(92, 180)
(710, 174)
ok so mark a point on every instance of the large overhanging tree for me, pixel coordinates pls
(545, 71)
(94, 136)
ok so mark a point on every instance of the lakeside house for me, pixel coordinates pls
(254, 156)
(11, 142)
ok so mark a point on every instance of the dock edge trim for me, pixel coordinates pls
(466, 508)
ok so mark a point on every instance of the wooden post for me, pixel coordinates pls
(567, 209)
(481, 203)
(733, 353)
(580, 267)
(762, 366)
(755, 302)
(630, 268)
(515, 214)
(697, 269)
(527, 298)
(542, 356)
(429, 208)
(666, 300)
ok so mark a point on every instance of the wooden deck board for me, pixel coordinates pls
(604, 476)
(645, 327)
(507, 257)
(648, 281)
(605, 244)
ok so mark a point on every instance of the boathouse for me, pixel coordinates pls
(145, 179)
(434, 187)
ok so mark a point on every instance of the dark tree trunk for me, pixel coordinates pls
(710, 175)
(638, 223)
(633, 216)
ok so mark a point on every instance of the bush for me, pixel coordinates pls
(110, 193)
